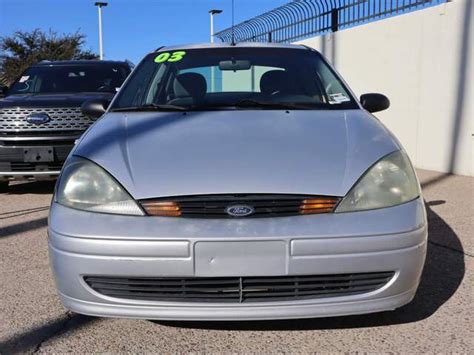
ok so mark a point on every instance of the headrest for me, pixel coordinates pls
(190, 85)
(273, 80)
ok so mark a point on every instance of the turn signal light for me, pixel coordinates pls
(161, 208)
(318, 205)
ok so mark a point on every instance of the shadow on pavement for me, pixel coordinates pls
(443, 273)
(32, 339)
(23, 227)
(35, 187)
(18, 213)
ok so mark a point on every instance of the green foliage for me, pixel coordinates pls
(19, 51)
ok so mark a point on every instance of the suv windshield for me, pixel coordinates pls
(62, 78)
(219, 78)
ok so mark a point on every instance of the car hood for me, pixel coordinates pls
(158, 154)
(51, 100)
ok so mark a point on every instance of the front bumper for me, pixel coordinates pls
(13, 166)
(391, 239)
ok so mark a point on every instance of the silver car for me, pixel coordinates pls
(236, 182)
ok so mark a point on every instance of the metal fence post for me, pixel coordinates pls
(334, 20)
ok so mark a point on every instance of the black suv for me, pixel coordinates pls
(40, 114)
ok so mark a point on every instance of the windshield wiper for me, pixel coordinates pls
(150, 107)
(242, 103)
(270, 105)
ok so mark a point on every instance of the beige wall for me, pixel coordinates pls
(423, 62)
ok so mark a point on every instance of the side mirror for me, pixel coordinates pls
(375, 102)
(94, 108)
(3, 90)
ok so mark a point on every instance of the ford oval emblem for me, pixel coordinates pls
(239, 210)
(38, 118)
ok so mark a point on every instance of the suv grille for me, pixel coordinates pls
(263, 205)
(238, 289)
(56, 133)
(32, 167)
(62, 118)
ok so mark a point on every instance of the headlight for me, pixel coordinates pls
(390, 182)
(86, 186)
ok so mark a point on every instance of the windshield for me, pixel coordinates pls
(47, 79)
(236, 77)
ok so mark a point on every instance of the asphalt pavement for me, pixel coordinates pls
(32, 319)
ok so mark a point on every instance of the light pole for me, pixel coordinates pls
(101, 44)
(211, 14)
(211, 18)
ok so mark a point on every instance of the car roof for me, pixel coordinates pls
(80, 62)
(228, 45)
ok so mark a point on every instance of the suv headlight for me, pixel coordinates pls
(84, 185)
(389, 182)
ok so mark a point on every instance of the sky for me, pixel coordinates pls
(132, 28)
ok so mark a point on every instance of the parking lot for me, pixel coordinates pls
(32, 318)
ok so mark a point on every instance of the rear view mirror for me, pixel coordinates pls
(375, 102)
(94, 108)
(234, 65)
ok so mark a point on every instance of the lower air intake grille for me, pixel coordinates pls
(238, 289)
(30, 167)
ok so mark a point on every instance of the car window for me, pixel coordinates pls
(47, 79)
(218, 80)
(226, 77)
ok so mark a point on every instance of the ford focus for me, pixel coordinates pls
(236, 182)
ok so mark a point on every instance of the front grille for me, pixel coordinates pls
(62, 118)
(238, 289)
(30, 167)
(263, 205)
(72, 134)
(38, 143)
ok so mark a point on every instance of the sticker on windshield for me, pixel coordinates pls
(24, 78)
(338, 98)
(170, 57)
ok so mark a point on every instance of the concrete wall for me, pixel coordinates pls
(423, 62)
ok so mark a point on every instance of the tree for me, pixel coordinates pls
(22, 49)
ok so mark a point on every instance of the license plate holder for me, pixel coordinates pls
(38, 155)
(240, 258)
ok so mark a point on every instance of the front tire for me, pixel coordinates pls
(3, 186)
